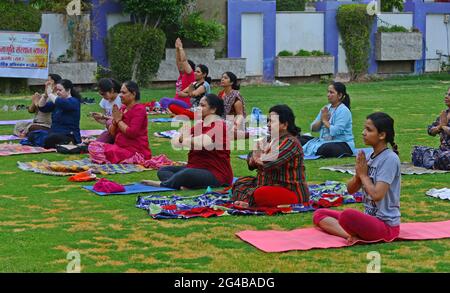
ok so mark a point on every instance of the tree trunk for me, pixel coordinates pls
(137, 58)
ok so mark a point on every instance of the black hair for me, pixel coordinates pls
(108, 85)
(204, 69)
(192, 64)
(286, 115)
(133, 88)
(234, 80)
(68, 85)
(342, 89)
(215, 102)
(384, 123)
(56, 77)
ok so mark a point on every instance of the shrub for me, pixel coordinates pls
(123, 43)
(285, 53)
(291, 5)
(355, 26)
(201, 32)
(304, 53)
(393, 29)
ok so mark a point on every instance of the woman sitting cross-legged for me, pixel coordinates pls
(209, 152)
(65, 108)
(438, 159)
(380, 179)
(334, 122)
(280, 168)
(129, 129)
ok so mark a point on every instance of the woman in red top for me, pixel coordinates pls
(129, 128)
(209, 152)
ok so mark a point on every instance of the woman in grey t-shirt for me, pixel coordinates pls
(379, 177)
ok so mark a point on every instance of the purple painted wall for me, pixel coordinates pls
(266, 7)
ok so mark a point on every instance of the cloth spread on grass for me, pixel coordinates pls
(328, 194)
(9, 149)
(406, 169)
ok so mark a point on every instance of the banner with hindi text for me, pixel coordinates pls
(24, 55)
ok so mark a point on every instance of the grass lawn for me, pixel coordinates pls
(42, 218)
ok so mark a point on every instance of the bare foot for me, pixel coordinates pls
(184, 188)
(353, 239)
(151, 183)
(241, 204)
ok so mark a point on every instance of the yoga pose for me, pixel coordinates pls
(195, 91)
(186, 68)
(431, 158)
(65, 108)
(109, 89)
(129, 129)
(334, 122)
(41, 121)
(379, 177)
(209, 152)
(280, 169)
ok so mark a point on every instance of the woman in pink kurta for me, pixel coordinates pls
(129, 128)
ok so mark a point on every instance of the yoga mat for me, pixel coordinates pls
(405, 168)
(162, 120)
(13, 122)
(314, 238)
(9, 149)
(367, 151)
(131, 189)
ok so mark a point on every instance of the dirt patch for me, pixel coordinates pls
(14, 197)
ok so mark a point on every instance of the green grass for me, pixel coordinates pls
(42, 218)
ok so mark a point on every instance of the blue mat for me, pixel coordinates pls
(131, 189)
(161, 120)
(368, 152)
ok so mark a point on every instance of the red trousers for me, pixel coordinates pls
(178, 110)
(273, 196)
(358, 224)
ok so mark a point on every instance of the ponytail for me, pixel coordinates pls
(342, 89)
(384, 123)
(394, 147)
(68, 85)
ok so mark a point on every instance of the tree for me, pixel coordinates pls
(389, 5)
(155, 13)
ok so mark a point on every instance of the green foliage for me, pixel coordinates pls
(125, 40)
(291, 5)
(389, 5)
(19, 17)
(393, 29)
(201, 32)
(304, 53)
(157, 13)
(285, 53)
(355, 26)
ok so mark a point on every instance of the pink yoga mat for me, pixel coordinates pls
(313, 238)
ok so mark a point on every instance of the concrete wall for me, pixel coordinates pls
(168, 70)
(55, 25)
(300, 30)
(115, 18)
(402, 19)
(437, 38)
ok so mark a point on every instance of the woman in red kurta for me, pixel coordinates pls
(129, 128)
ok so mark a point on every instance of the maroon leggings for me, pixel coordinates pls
(358, 224)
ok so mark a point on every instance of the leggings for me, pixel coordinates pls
(358, 224)
(166, 102)
(177, 110)
(334, 150)
(273, 196)
(54, 139)
(175, 177)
